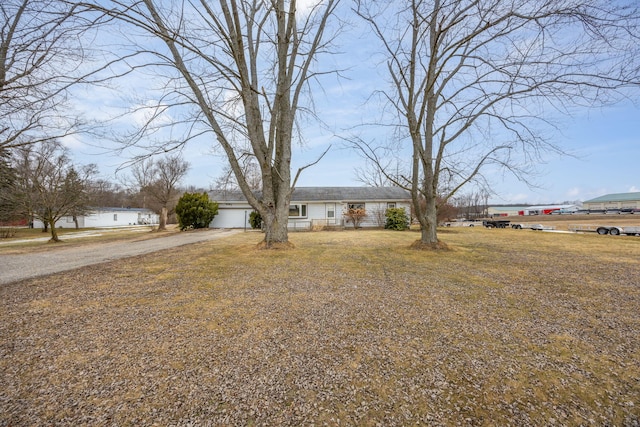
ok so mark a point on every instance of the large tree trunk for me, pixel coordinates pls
(429, 222)
(163, 219)
(276, 227)
(275, 212)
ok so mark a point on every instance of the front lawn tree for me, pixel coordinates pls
(48, 186)
(158, 181)
(355, 215)
(7, 182)
(245, 66)
(476, 84)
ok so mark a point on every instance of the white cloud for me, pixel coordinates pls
(304, 7)
(72, 141)
(574, 192)
(143, 113)
(634, 189)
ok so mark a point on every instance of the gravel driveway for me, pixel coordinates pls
(26, 266)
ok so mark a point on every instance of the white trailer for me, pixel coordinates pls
(524, 225)
(614, 230)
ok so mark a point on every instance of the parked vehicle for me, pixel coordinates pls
(496, 223)
(460, 224)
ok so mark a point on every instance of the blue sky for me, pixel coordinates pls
(604, 141)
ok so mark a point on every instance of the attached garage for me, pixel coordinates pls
(232, 217)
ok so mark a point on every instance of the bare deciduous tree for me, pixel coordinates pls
(48, 186)
(104, 193)
(355, 216)
(39, 58)
(373, 175)
(473, 204)
(226, 181)
(158, 182)
(243, 66)
(477, 83)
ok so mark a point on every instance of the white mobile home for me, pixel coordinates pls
(316, 206)
(108, 217)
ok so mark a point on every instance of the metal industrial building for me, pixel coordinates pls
(619, 201)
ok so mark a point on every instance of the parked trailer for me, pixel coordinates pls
(614, 230)
(460, 224)
(492, 223)
(521, 225)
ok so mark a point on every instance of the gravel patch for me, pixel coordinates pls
(26, 266)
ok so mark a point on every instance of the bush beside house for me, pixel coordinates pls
(195, 210)
(397, 219)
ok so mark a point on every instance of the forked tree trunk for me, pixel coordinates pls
(54, 232)
(428, 223)
(275, 217)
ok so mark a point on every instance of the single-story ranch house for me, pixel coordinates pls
(316, 206)
(108, 217)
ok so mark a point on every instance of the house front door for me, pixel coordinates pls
(330, 213)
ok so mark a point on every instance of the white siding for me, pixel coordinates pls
(375, 213)
(232, 218)
(111, 218)
(316, 211)
(107, 218)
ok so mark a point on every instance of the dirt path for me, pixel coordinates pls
(26, 266)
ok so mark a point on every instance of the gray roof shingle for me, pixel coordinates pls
(326, 194)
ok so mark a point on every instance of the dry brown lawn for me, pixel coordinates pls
(509, 327)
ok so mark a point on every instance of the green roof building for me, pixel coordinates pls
(614, 201)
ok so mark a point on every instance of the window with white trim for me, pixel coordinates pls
(297, 210)
(355, 205)
(391, 205)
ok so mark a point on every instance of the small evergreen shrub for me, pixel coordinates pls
(255, 220)
(397, 219)
(195, 210)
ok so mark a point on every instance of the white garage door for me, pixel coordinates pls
(231, 218)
